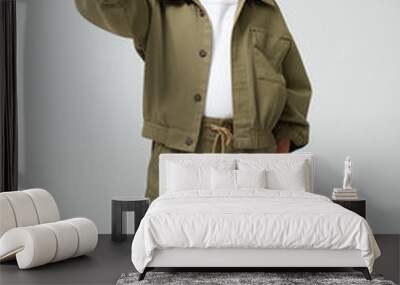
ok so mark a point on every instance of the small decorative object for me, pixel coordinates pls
(346, 192)
(347, 173)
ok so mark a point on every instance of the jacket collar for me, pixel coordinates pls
(269, 2)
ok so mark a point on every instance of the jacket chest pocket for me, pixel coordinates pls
(269, 52)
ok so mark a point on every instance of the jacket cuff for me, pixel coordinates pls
(297, 135)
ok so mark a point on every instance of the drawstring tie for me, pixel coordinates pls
(223, 135)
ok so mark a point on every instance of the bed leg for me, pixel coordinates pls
(143, 274)
(365, 272)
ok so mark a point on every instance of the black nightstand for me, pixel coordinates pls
(358, 206)
(123, 204)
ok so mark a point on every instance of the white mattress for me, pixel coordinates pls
(255, 257)
(251, 219)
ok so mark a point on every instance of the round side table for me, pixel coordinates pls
(121, 204)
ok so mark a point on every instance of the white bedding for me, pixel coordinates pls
(251, 218)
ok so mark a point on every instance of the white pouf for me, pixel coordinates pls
(31, 232)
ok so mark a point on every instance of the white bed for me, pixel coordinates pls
(249, 227)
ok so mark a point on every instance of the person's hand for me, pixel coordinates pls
(283, 146)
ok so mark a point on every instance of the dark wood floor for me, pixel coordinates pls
(103, 266)
(110, 260)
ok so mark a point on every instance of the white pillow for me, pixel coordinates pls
(181, 177)
(237, 179)
(292, 178)
(287, 174)
(251, 178)
(186, 175)
(223, 179)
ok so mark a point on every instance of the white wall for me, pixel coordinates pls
(80, 95)
(80, 112)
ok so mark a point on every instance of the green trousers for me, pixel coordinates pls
(215, 137)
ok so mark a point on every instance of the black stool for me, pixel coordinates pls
(123, 204)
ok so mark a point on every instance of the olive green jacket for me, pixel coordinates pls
(270, 89)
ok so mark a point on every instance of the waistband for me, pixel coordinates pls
(224, 122)
(219, 131)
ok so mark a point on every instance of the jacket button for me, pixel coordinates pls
(197, 97)
(201, 13)
(202, 53)
(188, 141)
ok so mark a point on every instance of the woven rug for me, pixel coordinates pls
(244, 278)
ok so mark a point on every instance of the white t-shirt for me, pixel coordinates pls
(219, 94)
